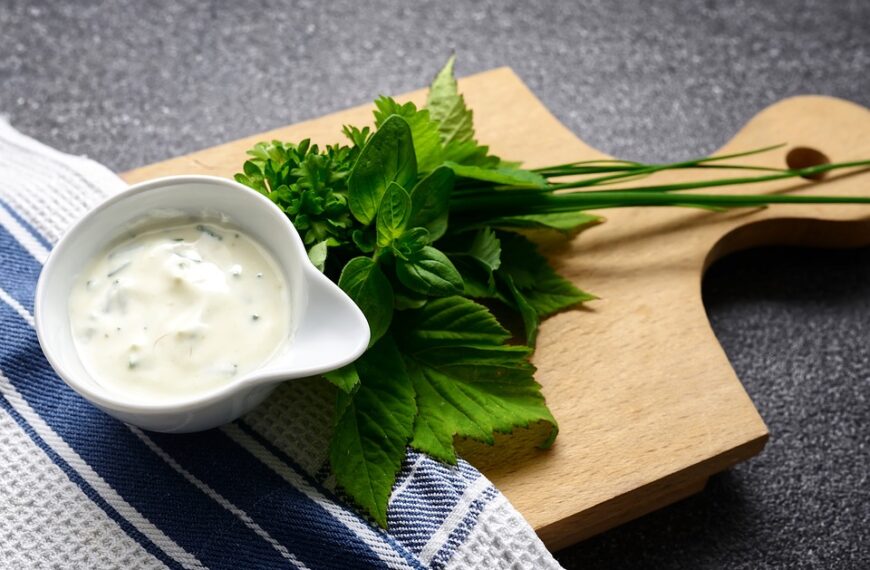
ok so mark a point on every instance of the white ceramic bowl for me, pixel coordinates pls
(327, 330)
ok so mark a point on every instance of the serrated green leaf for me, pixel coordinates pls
(477, 281)
(455, 121)
(543, 288)
(366, 284)
(434, 429)
(472, 154)
(468, 382)
(447, 107)
(394, 213)
(373, 429)
(476, 263)
(430, 201)
(531, 319)
(317, 255)
(387, 157)
(500, 175)
(345, 378)
(429, 272)
(451, 321)
(424, 130)
(486, 248)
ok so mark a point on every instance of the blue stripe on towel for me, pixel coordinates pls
(192, 520)
(19, 270)
(463, 529)
(86, 488)
(274, 450)
(283, 511)
(418, 511)
(26, 225)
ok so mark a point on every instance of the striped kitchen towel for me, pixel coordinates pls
(78, 489)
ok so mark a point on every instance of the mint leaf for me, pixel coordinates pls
(424, 130)
(468, 382)
(387, 157)
(507, 176)
(370, 289)
(393, 214)
(430, 201)
(543, 288)
(429, 272)
(345, 378)
(373, 428)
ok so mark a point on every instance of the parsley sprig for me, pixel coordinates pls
(426, 231)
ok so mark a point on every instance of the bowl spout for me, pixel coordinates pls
(332, 330)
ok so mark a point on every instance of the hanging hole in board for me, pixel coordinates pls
(806, 157)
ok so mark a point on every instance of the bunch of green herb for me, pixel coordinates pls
(423, 228)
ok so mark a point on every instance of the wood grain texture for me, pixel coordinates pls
(648, 404)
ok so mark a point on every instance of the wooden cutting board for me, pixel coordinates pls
(648, 404)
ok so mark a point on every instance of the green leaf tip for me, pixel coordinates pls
(373, 428)
(469, 383)
(387, 157)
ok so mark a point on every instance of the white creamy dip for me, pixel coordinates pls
(178, 309)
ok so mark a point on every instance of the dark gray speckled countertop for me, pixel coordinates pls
(129, 83)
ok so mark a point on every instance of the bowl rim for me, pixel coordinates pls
(105, 398)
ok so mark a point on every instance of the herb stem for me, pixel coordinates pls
(505, 204)
(676, 187)
(586, 170)
(520, 194)
(617, 165)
